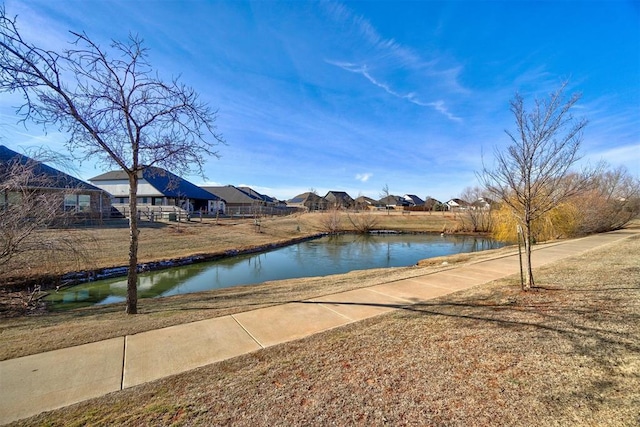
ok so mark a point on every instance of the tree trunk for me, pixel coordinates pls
(132, 275)
(529, 283)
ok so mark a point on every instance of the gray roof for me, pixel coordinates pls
(413, 199)
(365, 200)
(53, 178)
(392, 200)
(251, 192)
(232, 195)
(301, 198)
(459, 202)
(169, 184)
(338, 197)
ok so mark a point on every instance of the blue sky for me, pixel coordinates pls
(353, 96)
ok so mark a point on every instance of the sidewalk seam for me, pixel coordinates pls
(124, 359)
(393, 296)
(434, 285)
(325, 306)
(247, 331)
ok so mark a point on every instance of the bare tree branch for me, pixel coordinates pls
(113, 107)
(531, 175)
(28, 206)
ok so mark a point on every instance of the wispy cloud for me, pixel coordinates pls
(383, 48)
(440, 106)
(363, 177)
(378, 56)
(412, 97)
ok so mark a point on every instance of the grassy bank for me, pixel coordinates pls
(24, 335)
(107, 246)
(564, 354)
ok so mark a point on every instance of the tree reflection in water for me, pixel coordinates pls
(333, 254)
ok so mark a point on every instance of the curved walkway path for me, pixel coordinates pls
(41, 382)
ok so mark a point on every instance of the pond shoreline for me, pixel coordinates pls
(34, 292)
(56, 282)
(87, 276)
(329, 255)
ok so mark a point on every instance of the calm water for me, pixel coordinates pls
(319, 257)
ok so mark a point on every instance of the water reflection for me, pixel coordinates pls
(320, 257)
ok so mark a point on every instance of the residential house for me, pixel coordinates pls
(413, 200)
(364, 202)
(482, 203)
(339, 200)
(431, 204)
(239, 201)
(268, 200)
(457, 205)
(77, 197)
(392, 202)
(160, 192)
(308, 201)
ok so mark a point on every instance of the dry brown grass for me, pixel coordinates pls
(567, 353)
(24, 335)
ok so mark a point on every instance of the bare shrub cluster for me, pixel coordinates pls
(331, 221)
(609, 203)
(28, 209)
(335, 221)
(363, 222)
(480, 211)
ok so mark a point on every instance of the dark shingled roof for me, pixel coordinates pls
(392, 200)
(364, 200)
(169, 184)
(412, 198)
(232, 195)
(55, 179)
(300, 198)
(338, 197)
(253, 193)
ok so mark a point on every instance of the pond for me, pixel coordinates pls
(319, 257)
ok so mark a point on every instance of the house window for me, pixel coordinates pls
(8, 198)
(70, 202)
(84, 202)
(77, 202)
(14, 198)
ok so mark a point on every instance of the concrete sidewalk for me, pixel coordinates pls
(41, 382)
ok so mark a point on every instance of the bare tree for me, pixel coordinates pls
(532, 175)
(28, 205)
(113, 106)
(479, 211)
(433, 205)
(384, 195)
